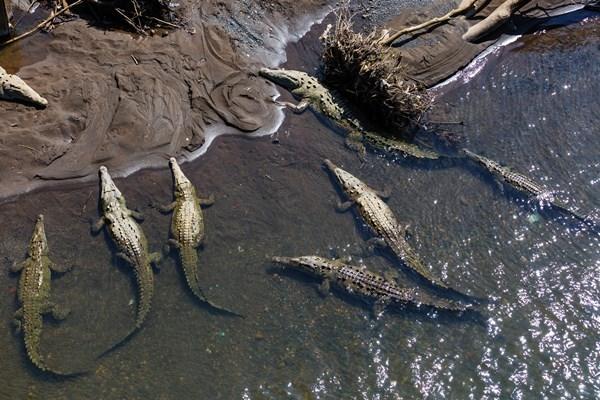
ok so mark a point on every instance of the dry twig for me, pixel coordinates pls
(42, 24)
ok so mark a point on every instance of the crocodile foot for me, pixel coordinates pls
(57, 312)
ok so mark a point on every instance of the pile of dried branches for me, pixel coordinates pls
(368, 73)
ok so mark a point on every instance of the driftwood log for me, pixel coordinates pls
(463, 8)
(493, 21)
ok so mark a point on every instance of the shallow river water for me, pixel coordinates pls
(532, 106)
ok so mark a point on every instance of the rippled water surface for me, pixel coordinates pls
(533, 107)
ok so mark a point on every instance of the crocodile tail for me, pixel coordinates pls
(189, 263)
(145, 283)
(32, 345)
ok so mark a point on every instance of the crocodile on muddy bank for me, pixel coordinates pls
(361, 282)
(34, 296)
(130, 241)
(13, 88)
(187, 229)
(322, 101)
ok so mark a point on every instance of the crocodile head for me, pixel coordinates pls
(109, 193)
(14, 88)
(287, 78)
(351, 185)
(180, 181)
(312, 264)
(39, 243)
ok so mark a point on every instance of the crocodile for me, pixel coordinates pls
(131, 243)
(34, 296)
(368, 285)
(187, 229)
(523, 184)
(14, 88)
(324, 102)
(381, 220)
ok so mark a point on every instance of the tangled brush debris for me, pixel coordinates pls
(367, 72)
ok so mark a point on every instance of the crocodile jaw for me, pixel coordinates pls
(14, 88)
(108, 189)
(180, 181)
(310, 264)
(282, 77)
(39, 243)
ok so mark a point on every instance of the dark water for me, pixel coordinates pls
(533, 107)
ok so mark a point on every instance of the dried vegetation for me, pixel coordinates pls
(369, 74)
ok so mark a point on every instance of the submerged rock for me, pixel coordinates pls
(14, 88)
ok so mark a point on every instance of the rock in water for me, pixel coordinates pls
(15, 89)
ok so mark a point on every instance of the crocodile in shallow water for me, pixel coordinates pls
(320, 99)
(187, 229)
(361, 282)
(130, 241)
(380, 218)
(34, 296)
(524, 184)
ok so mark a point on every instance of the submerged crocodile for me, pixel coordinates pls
(523, 184)
(34, 296)
(15, 89)
(380, 218)
(130, 241)
(320, 99)
(359, 281)
(187, 228)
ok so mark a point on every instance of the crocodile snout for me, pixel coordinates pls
(329, 165)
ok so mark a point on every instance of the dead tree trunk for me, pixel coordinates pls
(4, 25)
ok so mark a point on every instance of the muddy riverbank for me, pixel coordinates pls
(129, 102)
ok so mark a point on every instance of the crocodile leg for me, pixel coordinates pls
(379, 306)
(56, 268)
(499, 185)
(376, 242)
(155, 259)
(385, 193)
(354, 142)
(137, 215)
(124, 257)
(167, 208)
(324, 288)
(171, 244)
(57, 312)
(296, 108)
(206, 201)
(16, 267)
(391, 275)
(17, 324)
(345, 206)
(97, 227)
